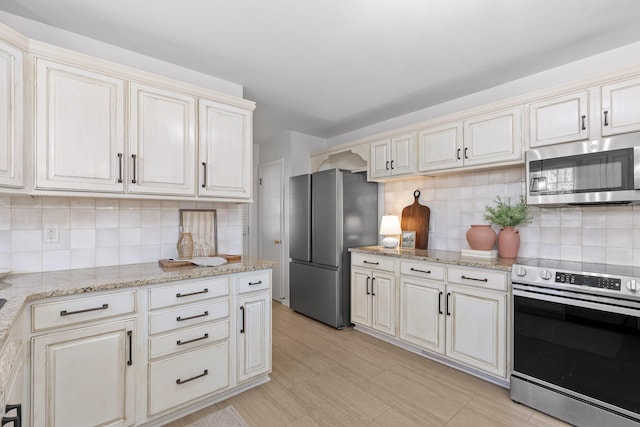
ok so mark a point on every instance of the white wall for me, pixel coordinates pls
(76, 42)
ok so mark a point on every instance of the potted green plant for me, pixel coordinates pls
(508, 215)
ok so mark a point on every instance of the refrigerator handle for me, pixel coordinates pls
(372, 293)
(368, 293)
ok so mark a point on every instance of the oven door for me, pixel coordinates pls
(586, 345)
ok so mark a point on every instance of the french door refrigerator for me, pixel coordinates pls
(330, 212)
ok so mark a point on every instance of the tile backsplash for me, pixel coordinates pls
(600, 234)
(100, 232)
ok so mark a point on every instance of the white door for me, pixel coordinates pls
(82, 377)
(494, 137)
(254, 335)
(383, 293)
(79, 129)
(422, 313)
(380, 163)
(162, 153)
(272, 222)
(476, 328)
(403, 154)
(621, 107)
(560, 119)
(11, 114)
(440, 147)
(225, 151)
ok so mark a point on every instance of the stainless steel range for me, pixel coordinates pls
(577, 341)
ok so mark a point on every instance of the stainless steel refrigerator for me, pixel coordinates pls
(330, 212)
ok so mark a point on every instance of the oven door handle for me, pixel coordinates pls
(612, 305)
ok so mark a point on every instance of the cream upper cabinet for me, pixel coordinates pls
(560, 119)
(621, 107)
(440, 147)
(11, 116)
(493, 138)
(393, 156)
(476, 328)
(225, 151)
(162, 135)
(487, 139)
(79, 141)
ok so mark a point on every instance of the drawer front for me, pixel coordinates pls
(188, 291)
(375, 262)
(186, 377)
(188, 315)
(479, 278)
(81, 310)
(423, 270)
(187, 339)
(254, 282)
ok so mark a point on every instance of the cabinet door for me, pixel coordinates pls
(11, 115)
(380, 164)
(621, 107)
(254, 335)
(384, 303)
(422, 313)
(79, 129)
(476, 328)
(440, 147)
(161, 142)
(403, 154)
(225, 151)
(560, 119)
(83, 377)
(360, 296)
(493, 138)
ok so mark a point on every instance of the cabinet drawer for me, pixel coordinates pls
(187, 339)
(189, 291)
(188, 315)
(480, 278)
(80, 310)
(422, 269)
(188, 376)
(370, 261)
(254, 282)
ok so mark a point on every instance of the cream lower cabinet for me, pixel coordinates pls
(254, 325)
(373, 293)
(84, 377)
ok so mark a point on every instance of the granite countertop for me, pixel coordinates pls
(444, 257)
(20, 289)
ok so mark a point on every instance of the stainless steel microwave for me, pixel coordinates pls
(605, 171)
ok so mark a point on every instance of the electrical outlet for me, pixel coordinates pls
(51, 233)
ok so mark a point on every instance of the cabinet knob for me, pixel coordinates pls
(277, 242)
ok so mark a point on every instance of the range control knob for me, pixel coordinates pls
(521, 272)
(632, 285)
(545, 275)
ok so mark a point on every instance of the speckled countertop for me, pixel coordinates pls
(445, 257)
(20, 289)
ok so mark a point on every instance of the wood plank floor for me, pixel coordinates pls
(325, 377)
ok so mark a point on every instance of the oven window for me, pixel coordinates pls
(592, 352)
(593, 172)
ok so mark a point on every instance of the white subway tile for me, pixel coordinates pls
(26, 219)
(150, 236)
(55, 202)
(550, 235)
(26, 262)
(83, 258)
(107, 237)
(107, 204)
(107, 219)
(82, 203)
(107, 256)
(619, 256)
(26, 202)
(56, 260)
(5, 240)
(571, 217)
(129, 237)
(63, 243)
(82, 218)
(620, 219)
(571, 236)
(150, 253)
(129, 255)
(26, 241)
(619, 238)
(594, 217)
(595, 237)
(126, 204)
(83, 239)
(57, 216)
(5, 218)
(130, 218)
(571, 252)
(595, 254)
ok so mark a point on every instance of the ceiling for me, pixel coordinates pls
(326, 67)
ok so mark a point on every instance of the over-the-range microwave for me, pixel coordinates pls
(604, 171)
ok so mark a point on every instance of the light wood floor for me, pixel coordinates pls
(325, 377)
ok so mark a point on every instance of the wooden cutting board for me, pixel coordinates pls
(415, 217)
(171, 263)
